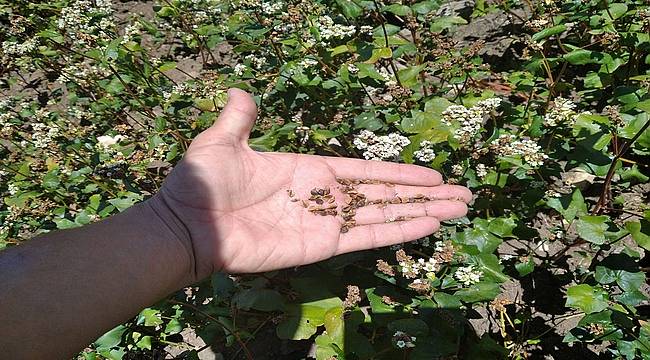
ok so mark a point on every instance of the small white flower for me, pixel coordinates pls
(468, 122)
(240, 69)
(106, 141)
(400, 344)
(562, 111)
(467, 276)
(383, 147)
(528, 150)
(425, 153)
(481, 170)
(457, 169)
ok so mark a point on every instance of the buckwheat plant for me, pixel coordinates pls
(99, 100)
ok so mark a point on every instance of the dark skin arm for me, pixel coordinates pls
(224, 208)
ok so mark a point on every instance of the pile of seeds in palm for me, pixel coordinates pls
(322, 202)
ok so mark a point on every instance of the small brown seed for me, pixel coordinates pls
(319, 201)
(294, 199)
(344, 229)
(290, 192)
(304, 203)
(314, 191)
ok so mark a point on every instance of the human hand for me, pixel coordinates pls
(236, 206)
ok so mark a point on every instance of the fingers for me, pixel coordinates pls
(441, 192)
(441, 210)
(238, 116)
(378, 235)
(384, 171)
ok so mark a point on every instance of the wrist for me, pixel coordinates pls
(174, 230)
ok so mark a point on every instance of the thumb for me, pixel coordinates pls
(238, 116)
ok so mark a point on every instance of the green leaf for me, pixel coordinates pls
(150, 317)
(398, 9)
(425, 7)
(479, 292)
(144, 343)
(502, 226)
(259, 299)
(616, 10)
(592, 228)
(445, 22)
(335, 326)
(377, 305)
(110, 339)
(302, 320)
(413, 327)
(350, 8)
(65, 224)
(557, 29)
(378, 54)
(418, 122)
(166, 66)
(222, 285)
(640, 231)
(525, 267)
(587, 298)
(173, 327)
(490, 266)
(569, 207)
(446, 301)
(583, 57)
(643, 105)
(368, 120)
(409, 76)
(482, 239)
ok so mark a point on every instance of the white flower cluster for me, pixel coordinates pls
(467, 275)
(239, 69)
(508, 145)
(271, 7)
(380, 147)
(131, 31)
(258, 61)
(43, 135)
(307, 62)
(352, 69)
(82, 73)
(468, 121)
(425, 153)
(481, 170)
(330, 30)
(457, 169)
(421, 265)
(561, 112)
(403, 340)
(18, 49)
(267, 7)
(76, 19)
(389, 80)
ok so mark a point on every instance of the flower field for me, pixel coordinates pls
(541, 108)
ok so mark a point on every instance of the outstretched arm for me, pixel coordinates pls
(60, 291)
(225, 208)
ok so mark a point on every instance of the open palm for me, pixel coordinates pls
(236, 203)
